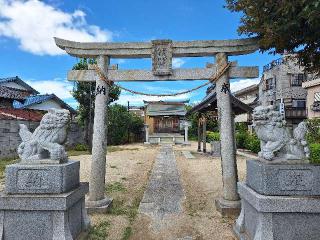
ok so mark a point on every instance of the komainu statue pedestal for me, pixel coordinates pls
(43, 201)
(43, 197)
(279, 201)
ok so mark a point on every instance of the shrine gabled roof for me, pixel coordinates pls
(159, 109)
(209, 103)
(166, 102)
(20, 82)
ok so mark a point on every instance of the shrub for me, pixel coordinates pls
(213, 136)
(315, 153)
(120, 121)
(252, 143)
(313, 135)
(241, 127)
(81, 147)
(241, 138)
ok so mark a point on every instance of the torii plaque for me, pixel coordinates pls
(161, 52)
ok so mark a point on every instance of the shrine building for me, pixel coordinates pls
(164, 121)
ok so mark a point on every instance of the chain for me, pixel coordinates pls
(212, 79)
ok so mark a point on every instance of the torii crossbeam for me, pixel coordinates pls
(161, 52)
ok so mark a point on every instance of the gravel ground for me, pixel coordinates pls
(201, 181)
(128, 170)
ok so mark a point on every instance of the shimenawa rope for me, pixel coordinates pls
(211, 80)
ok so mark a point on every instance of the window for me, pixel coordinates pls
(270, 84)
(297, 79)
(317, 97)
(299, 103)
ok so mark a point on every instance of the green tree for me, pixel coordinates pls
(212, 123)
(286, 25)
(84, 93)
(119, 119)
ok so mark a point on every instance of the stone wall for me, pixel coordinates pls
(10, 139)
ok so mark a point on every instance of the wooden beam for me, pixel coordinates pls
(147, 76)
(144, 49)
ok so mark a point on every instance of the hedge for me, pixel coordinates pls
(315, 153)
(81, 147)
(252, 143)
(240, 139)
(244, 139)
(249, 141)
(213, 136)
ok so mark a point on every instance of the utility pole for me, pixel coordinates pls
(128, 125)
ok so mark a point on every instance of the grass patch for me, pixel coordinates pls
(3, 163)
(190, 210)
(77, 153)
(117, 149)
(115, 187)
(113, 166)
(127, 233)
(119, 207)
(124, 179)
(99, 231)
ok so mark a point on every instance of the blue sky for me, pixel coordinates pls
(27, 29)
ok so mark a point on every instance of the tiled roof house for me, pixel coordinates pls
(18, 100)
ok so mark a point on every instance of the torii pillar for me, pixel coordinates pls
(229, 203)
(97, 201)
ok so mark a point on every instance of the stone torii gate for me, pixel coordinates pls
(161, 52)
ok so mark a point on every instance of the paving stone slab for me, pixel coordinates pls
(164, 193)
(188, 155)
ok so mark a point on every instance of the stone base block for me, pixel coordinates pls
(228, 208)
(277, 217)
(44, 216)
(146, 143)
(215, 148)
(41, 179)
(100, 206)
(299, 179)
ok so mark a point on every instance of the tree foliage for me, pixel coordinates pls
(84, 93)
(286, 25)
(119, 122)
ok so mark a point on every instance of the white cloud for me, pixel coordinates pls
(34, 24)
(138, 99)
(61, 89)
(237, 85)
(177, 62)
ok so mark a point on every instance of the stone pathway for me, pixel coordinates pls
(188, 155)
(164, 193)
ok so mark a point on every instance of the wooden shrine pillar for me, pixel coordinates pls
(204, 134)
(199, 134)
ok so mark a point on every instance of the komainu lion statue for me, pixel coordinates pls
(276, 139)
(46, 142)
